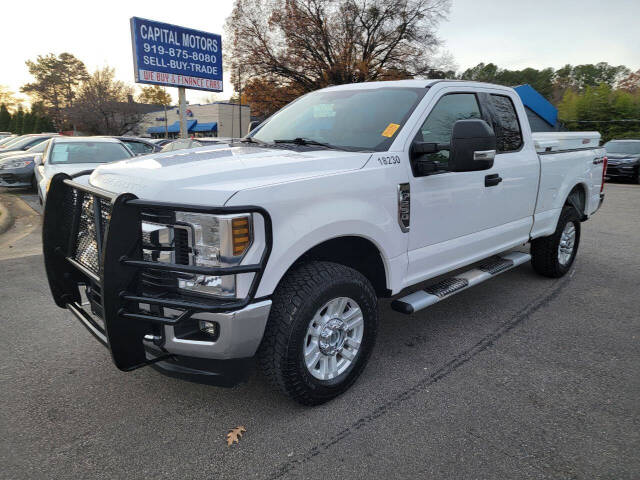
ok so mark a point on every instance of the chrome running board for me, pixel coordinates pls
(490, 268)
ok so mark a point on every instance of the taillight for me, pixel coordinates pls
(604, 172)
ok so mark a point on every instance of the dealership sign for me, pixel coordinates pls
(174, 56)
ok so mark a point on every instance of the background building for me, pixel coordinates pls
(219, 119)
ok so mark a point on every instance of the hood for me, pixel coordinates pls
(213, 173)
(18, 156)
(10, 153)
(623, 156)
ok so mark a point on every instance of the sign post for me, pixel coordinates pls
(174, 56)
(182, 101)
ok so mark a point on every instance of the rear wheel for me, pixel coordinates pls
(553, 256)
(320, 333)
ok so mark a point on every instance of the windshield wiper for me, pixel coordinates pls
(252, 140)
(307, 141)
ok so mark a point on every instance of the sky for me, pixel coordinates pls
(513, 34)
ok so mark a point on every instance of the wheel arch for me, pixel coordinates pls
(577, 197)
(355, 251)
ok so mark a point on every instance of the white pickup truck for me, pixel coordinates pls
(278, 246)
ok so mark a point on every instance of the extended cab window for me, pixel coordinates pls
(505, 124)
(439, 124)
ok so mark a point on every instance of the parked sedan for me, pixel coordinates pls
(18, 168)
(75, 154)
(624, 159)
(161, 142)
(25, 142)
(7, 139)
(140, 146)
(37, 148)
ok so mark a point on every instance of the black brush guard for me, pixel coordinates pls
(116, 284)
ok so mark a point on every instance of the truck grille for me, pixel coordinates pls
(154, 281)
(82, 209)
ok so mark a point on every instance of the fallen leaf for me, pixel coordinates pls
(234, 435)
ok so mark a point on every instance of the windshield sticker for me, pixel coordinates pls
(323, 110)
(390, 130)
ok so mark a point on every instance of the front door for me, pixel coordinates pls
(461, 217)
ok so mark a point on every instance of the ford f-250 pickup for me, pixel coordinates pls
(277, 246)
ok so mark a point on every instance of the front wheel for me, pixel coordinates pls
(320, 333)
(553, 256)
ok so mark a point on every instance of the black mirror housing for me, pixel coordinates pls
(467, 138)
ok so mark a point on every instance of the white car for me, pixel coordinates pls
(197, 260)
(71, 155)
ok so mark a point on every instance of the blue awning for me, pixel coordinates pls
(155, 129)
(173, 128)
(206, 127)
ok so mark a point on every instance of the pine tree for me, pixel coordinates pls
(19, 121)
(13, 124)
(5, 118)
(37, 124)
(46, 125)
(27, 125)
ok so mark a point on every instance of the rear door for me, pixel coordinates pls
(460, 217)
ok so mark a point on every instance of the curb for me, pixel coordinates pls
(6, 219)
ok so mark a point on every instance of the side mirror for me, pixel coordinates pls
(37, 160)
(473, 146)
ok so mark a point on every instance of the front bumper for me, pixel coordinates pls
(621, 170)
(104, 287)
(16, 177)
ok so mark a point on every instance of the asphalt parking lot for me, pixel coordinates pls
(521, 377)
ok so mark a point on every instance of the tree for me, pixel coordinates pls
(302, 45)
(19, 121)
(541, 80)
(13, 124)
(631, 83)
(580, 77)
(156, 95)
(103, 107)
(614, 113)
(5, 118)
(7, 98)
(56, 81)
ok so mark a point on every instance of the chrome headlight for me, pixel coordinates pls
(211, 241)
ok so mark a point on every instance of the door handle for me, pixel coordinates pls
(492, 180)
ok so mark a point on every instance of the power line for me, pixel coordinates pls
(601, 121)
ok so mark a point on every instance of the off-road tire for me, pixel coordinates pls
(544, 251)
(300, 294)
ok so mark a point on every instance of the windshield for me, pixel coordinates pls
(39, 148)
(7, 140)
(617, 146)
(88, 152)
(360, 119)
